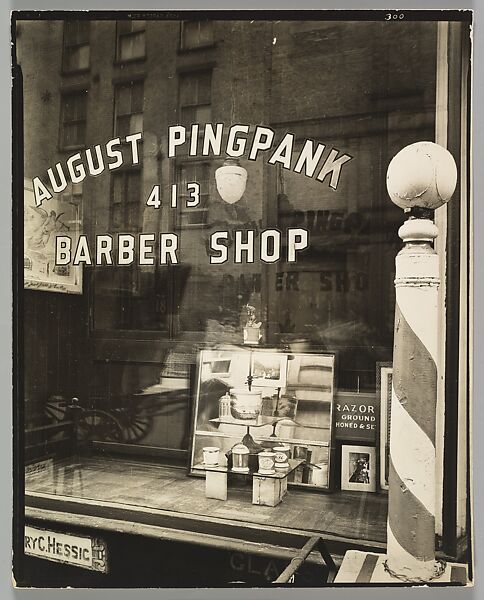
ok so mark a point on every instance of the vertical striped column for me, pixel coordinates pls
(411, 510)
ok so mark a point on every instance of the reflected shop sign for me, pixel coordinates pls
(334, 280)
(356, 417)
(88, 553)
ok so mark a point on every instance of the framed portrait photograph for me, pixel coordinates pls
(358, 468)
(384, 372)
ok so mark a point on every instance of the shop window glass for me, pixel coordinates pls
(131, 40)
(155, 352)
(73, 115)
(76, 45)
(339, 295)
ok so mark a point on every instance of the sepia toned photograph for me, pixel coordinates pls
(358, 468)
(243, 253)
(360, 464)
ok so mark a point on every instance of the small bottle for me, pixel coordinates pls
(224, 406)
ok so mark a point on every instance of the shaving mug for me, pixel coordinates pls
(266, 462)
(245, 403)
(211, 456)
(282, 452)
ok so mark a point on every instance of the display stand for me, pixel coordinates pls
(248, 440)
(267, 490)
(225, 418)
(215, 481)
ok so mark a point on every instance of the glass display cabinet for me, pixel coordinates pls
(263, 398)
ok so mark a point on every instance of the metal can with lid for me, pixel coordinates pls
(240, 458)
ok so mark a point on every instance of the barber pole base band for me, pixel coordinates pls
(411, 505)
(367, 568)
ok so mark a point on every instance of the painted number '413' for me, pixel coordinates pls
(192, 196)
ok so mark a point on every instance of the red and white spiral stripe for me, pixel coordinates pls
(411, 511)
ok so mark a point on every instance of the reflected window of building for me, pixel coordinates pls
(131, 40)
(125, 201)
(128, 108)
(73, 120)
(195, 97)
(196, 34)
(76, 52)
(193, 184)
(72, 193)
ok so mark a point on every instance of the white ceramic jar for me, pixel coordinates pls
(245, 404)
(282, 452)
(267, 462)
(211, 456)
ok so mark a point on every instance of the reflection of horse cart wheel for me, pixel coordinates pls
(135, 427)
(99, 425)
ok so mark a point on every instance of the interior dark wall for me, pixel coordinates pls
(55, 336)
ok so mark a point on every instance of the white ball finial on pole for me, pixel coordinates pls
(421, 175)
(420, 178)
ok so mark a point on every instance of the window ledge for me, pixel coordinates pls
(186, 226)
(73, 72)
(129, 61)
(196, 49)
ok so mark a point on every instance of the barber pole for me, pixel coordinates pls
(420, 178)
(411, 502)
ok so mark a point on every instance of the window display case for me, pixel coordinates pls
(264, 399)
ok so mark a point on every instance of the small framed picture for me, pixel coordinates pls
(358, 468)
(269, 369)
